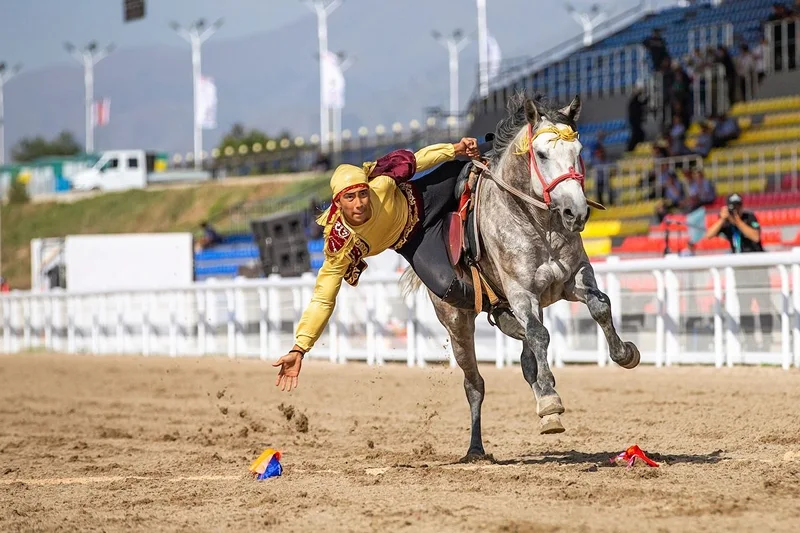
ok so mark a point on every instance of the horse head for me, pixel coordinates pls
(550, 143)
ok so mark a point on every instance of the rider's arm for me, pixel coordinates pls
(432, 155)
(319, 310)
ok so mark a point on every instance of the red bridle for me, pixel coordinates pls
(571, 174)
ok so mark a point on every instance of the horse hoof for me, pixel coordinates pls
(551, 424)
(549, 405)
(632, 356)
(473, 457)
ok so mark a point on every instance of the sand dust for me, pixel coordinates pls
(159, 444)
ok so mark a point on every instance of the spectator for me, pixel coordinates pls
(726, 129)
(746, 70)
(4, 286)
(322, 163)
(701, 191)
(657, 47)
(673, 194)
(603, 175)
(210, 237)
(743, 232)
(705, 141)
(760, 52)
(636, 109)
(677, 138)
(723, 57)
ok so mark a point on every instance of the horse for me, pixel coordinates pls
(532, 208)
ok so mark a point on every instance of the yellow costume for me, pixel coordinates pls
(395, 215)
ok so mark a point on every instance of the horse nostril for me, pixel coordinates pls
(567, 213)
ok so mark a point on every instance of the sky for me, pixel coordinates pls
(33, 32)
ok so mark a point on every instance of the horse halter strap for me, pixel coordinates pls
(560, 134)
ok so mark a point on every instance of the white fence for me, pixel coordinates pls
(695, 310)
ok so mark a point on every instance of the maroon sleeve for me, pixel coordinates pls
(400, 165)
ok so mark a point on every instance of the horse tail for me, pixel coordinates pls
(409, 282)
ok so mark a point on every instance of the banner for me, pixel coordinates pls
(495, 56)
(101, 112)
(206, 113)
(333, 81)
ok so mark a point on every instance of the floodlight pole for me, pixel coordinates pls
(89, 57)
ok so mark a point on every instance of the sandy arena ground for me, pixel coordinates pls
(159, 444)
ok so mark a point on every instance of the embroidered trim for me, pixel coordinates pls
(415, 211)
(357, 265)
(338, 237)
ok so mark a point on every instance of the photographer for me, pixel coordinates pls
(743, 232)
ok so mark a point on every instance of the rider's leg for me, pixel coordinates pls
(427, 255)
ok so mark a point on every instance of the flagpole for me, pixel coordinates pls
(88, 57)
(344, 63)
(5, 76)
(196, 35)
(483, 49)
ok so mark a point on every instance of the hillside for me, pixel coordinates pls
(136, 211)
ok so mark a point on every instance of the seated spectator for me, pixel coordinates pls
(705, 141)
(673, 195)
(701, 191)
(726, 129)
(677, 137)
(210, 237)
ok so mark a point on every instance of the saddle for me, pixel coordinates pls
(463, 238)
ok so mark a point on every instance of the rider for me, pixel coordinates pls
(375, 207)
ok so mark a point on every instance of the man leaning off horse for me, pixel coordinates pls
(376, 207)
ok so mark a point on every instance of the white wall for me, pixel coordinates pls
(128, 261)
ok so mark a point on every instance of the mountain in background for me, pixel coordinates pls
(270, 80)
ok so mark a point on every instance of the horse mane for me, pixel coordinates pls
(507, 128)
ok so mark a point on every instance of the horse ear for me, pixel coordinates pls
(573, 110)
(531, 113)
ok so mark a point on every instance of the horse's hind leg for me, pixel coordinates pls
(460, 324)
(625, 354)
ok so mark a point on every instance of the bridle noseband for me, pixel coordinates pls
(566, 134)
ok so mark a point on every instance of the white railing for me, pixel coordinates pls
(701, 37)
(677, 311)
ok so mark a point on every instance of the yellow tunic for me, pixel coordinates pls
(390, 211)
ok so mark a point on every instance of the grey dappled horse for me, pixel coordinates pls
(532, 209)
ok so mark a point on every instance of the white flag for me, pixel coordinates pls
(206, 113)
(495, 57)
(101, 112)
(333, 81)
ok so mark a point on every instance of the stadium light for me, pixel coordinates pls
(5, 75)
(345, 62)
(88, 57)
(323, 8)
(454, 44)
(588, 20)
(196, 34)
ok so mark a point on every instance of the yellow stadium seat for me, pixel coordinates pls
(597, 247)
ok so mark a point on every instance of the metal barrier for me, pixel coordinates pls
(695, 310)
(782, 45)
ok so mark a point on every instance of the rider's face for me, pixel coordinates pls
(355, 206)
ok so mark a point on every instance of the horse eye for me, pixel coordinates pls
(541, 155)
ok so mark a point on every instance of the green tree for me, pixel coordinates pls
(31, 149)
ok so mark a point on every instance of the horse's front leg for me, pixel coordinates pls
(625, 354)
(534, 363)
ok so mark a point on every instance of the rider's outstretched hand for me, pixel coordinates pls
(290, 369)
(467, 146)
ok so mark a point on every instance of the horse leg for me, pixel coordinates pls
(625, 354)
(535, 367)
(460, 325)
